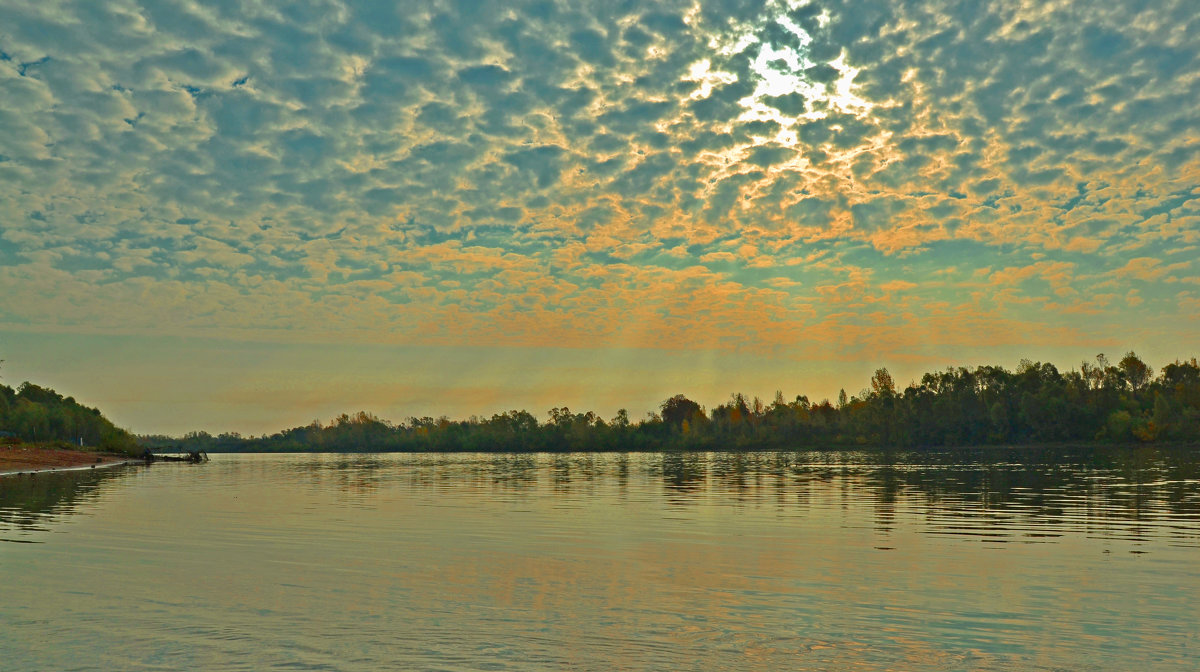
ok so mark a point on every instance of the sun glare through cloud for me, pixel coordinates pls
(809, 185)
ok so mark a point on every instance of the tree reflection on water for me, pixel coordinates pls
(997, 495)
(31, 502)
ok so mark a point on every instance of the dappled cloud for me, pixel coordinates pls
(814, 179)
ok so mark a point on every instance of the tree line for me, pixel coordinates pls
(1101, 402)
(38, 414)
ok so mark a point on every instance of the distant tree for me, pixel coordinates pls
(37, 394)
(561, 417)
(679, 409)
(882, 384)
(1181, 373)
(1119, 426)
(1135, 371)
(516, 422)
(1163, 413)
(734, 415)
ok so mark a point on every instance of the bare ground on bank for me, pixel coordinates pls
(24, 458)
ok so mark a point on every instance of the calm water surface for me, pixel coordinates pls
(994, 560)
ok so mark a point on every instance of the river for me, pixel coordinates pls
(982, 560)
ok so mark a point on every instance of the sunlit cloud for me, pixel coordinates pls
(777, 178)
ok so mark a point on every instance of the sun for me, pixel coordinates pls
(792, 85)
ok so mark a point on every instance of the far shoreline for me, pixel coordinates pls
(1080, 447)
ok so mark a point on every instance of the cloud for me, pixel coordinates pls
(897, 285)
(1141, 268)
(724, 175)
(1054, 272)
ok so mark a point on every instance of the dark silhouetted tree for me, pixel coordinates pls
(679, 409)
(1135, 371)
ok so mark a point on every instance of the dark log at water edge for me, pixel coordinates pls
(191, 456)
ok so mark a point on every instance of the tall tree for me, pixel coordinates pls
(679, 409)
(1136, 372)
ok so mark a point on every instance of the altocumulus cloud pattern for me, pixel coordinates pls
(821, 179)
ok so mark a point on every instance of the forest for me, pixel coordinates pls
(1101, 402)
(37, 414)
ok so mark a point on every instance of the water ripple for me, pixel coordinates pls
(996, 560)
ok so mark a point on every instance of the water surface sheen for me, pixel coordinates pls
(992, 560)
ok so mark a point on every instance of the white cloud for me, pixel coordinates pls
(318, 150)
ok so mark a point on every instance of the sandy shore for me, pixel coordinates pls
(25, 459)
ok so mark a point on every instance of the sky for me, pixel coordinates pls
(243, 216)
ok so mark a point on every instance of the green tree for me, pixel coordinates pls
(882, 384)
(1163, 413)
(679, 409)
(1135, 371)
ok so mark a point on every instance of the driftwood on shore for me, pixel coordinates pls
(192, 456)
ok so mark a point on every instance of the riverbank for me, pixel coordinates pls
(27, 458)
